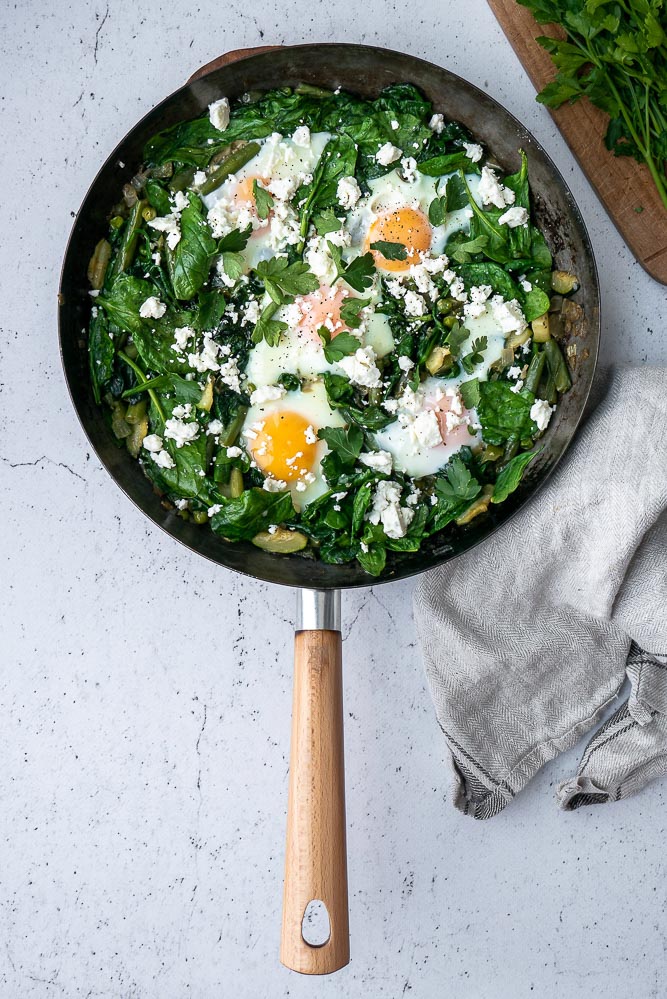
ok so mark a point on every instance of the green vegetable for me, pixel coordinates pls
(358, 273)
(476, 355)
(263, 200)
(457, 485)
(190, 260)
(345, 444)
(101, 354)
(125, 250)
(350, 309)
(390, 251)
(229, 165)
(246, 516)
(504, 413)
(282, 541)
(342, 345)
(557, 366)
(283, 280)
(615, 54)
(510, 476)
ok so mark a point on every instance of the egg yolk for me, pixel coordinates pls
(322, 308)
(408, 226)
(281, 449)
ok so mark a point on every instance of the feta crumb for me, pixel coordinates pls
(477, 305)
(426, 429)
(492, 192)
(541, 412)
(180, 201)
(508, 315)
(152, 308)
(267, 393)
(387, 154)
(215, 427)
(179, 432)
(518, 385)
(301, 136)
(163, 459)
(310, 435)
(457, 290)
(437, 123)
(199, 178)
(183, 411)
(526, 285)
(216, 508)
(514, 372)
(405, 363)
(394, 124)
(250, 313)
(474, 151)
(152, 442)
(273, 528)
(409, 167)
(271, 485)
(234, 452)
(381, 461)
(360, 367)
(363, 546)
(218, 113)
(414, 304)
(348, 192)
(387, 510)
(182, 335)
(169, 225)
(514, 217)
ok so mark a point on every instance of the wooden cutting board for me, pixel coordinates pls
(624, 187)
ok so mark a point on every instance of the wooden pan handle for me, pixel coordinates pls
(228, 57)
(316, 858)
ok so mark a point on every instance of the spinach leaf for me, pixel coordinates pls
(157, 197)
(123, 301)
(461, 250)
(374, 560)
(101, 354)
(535, 303)
(509, 478)
(190, 260)
(447, 163)
(504, 413)
(242, 518)
(494, 275)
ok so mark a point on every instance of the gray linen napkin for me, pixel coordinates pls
(528, 638)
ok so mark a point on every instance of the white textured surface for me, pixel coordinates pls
(145, 694)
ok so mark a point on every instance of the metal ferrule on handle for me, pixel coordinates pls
(318, 610)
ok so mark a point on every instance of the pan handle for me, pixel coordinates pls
(316, 857)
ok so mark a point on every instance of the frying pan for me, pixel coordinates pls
(316, 864)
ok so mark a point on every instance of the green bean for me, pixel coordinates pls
(229, 165)
(535, 372)
(307, 89)
(182, 179)
(235, 483)
(128, 241)
(231, 432)
(557, 366)
(97, 268)
(143, 381)
(511, 448)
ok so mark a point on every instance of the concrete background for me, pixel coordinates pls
(146, 694)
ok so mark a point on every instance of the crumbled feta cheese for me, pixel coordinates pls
(395, 125)
(272, 485)
(478, 295)
(250, 314)
(381, 461)
(508, 315)
(518, 385)
(526, 285)
(387, 510)
(409, 167)
(514, 217)
(318, 258)
(180, 201)
(218, 113)
(179, 432)
(348, 192)
(301, 136)
(229, 373)
(387, 154)
(426, 429)
(183, 411)
(199, 178)
(273, 528)
(163, 459)
(395, 288)
(405, 363)
(360, 367)
(152, 442)
(541, 412)
(182, 336)
(216, 508)
(514, 372)
(434, 265)
(267, 393)
(152, 308)
(492, 192)
(474, 151)
(437, 123)
(310, 435)
(414, 304)
(283, 188)
(215, 427)
(363, 546)
(169, 225)
(457, 290)
(234, 452)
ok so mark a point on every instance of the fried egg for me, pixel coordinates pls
(396, 211)
(432, 424)
(280, 435)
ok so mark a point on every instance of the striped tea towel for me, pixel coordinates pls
(529, 637)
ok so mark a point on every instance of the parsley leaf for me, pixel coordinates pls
(346, 443)
(358, 273)
(282, 279)
(457, 485)
(327, 221)
(470, 393)
(456, 338)
(267, 328)
(233, 265)
(390, 251)
(350, 309)
(476, 354)
(235, 241)
(342, 345)
(263, 200)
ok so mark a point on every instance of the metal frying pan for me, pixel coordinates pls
(316, 866)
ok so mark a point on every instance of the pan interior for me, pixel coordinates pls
(365, 71)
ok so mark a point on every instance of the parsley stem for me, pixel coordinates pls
(142, 381)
